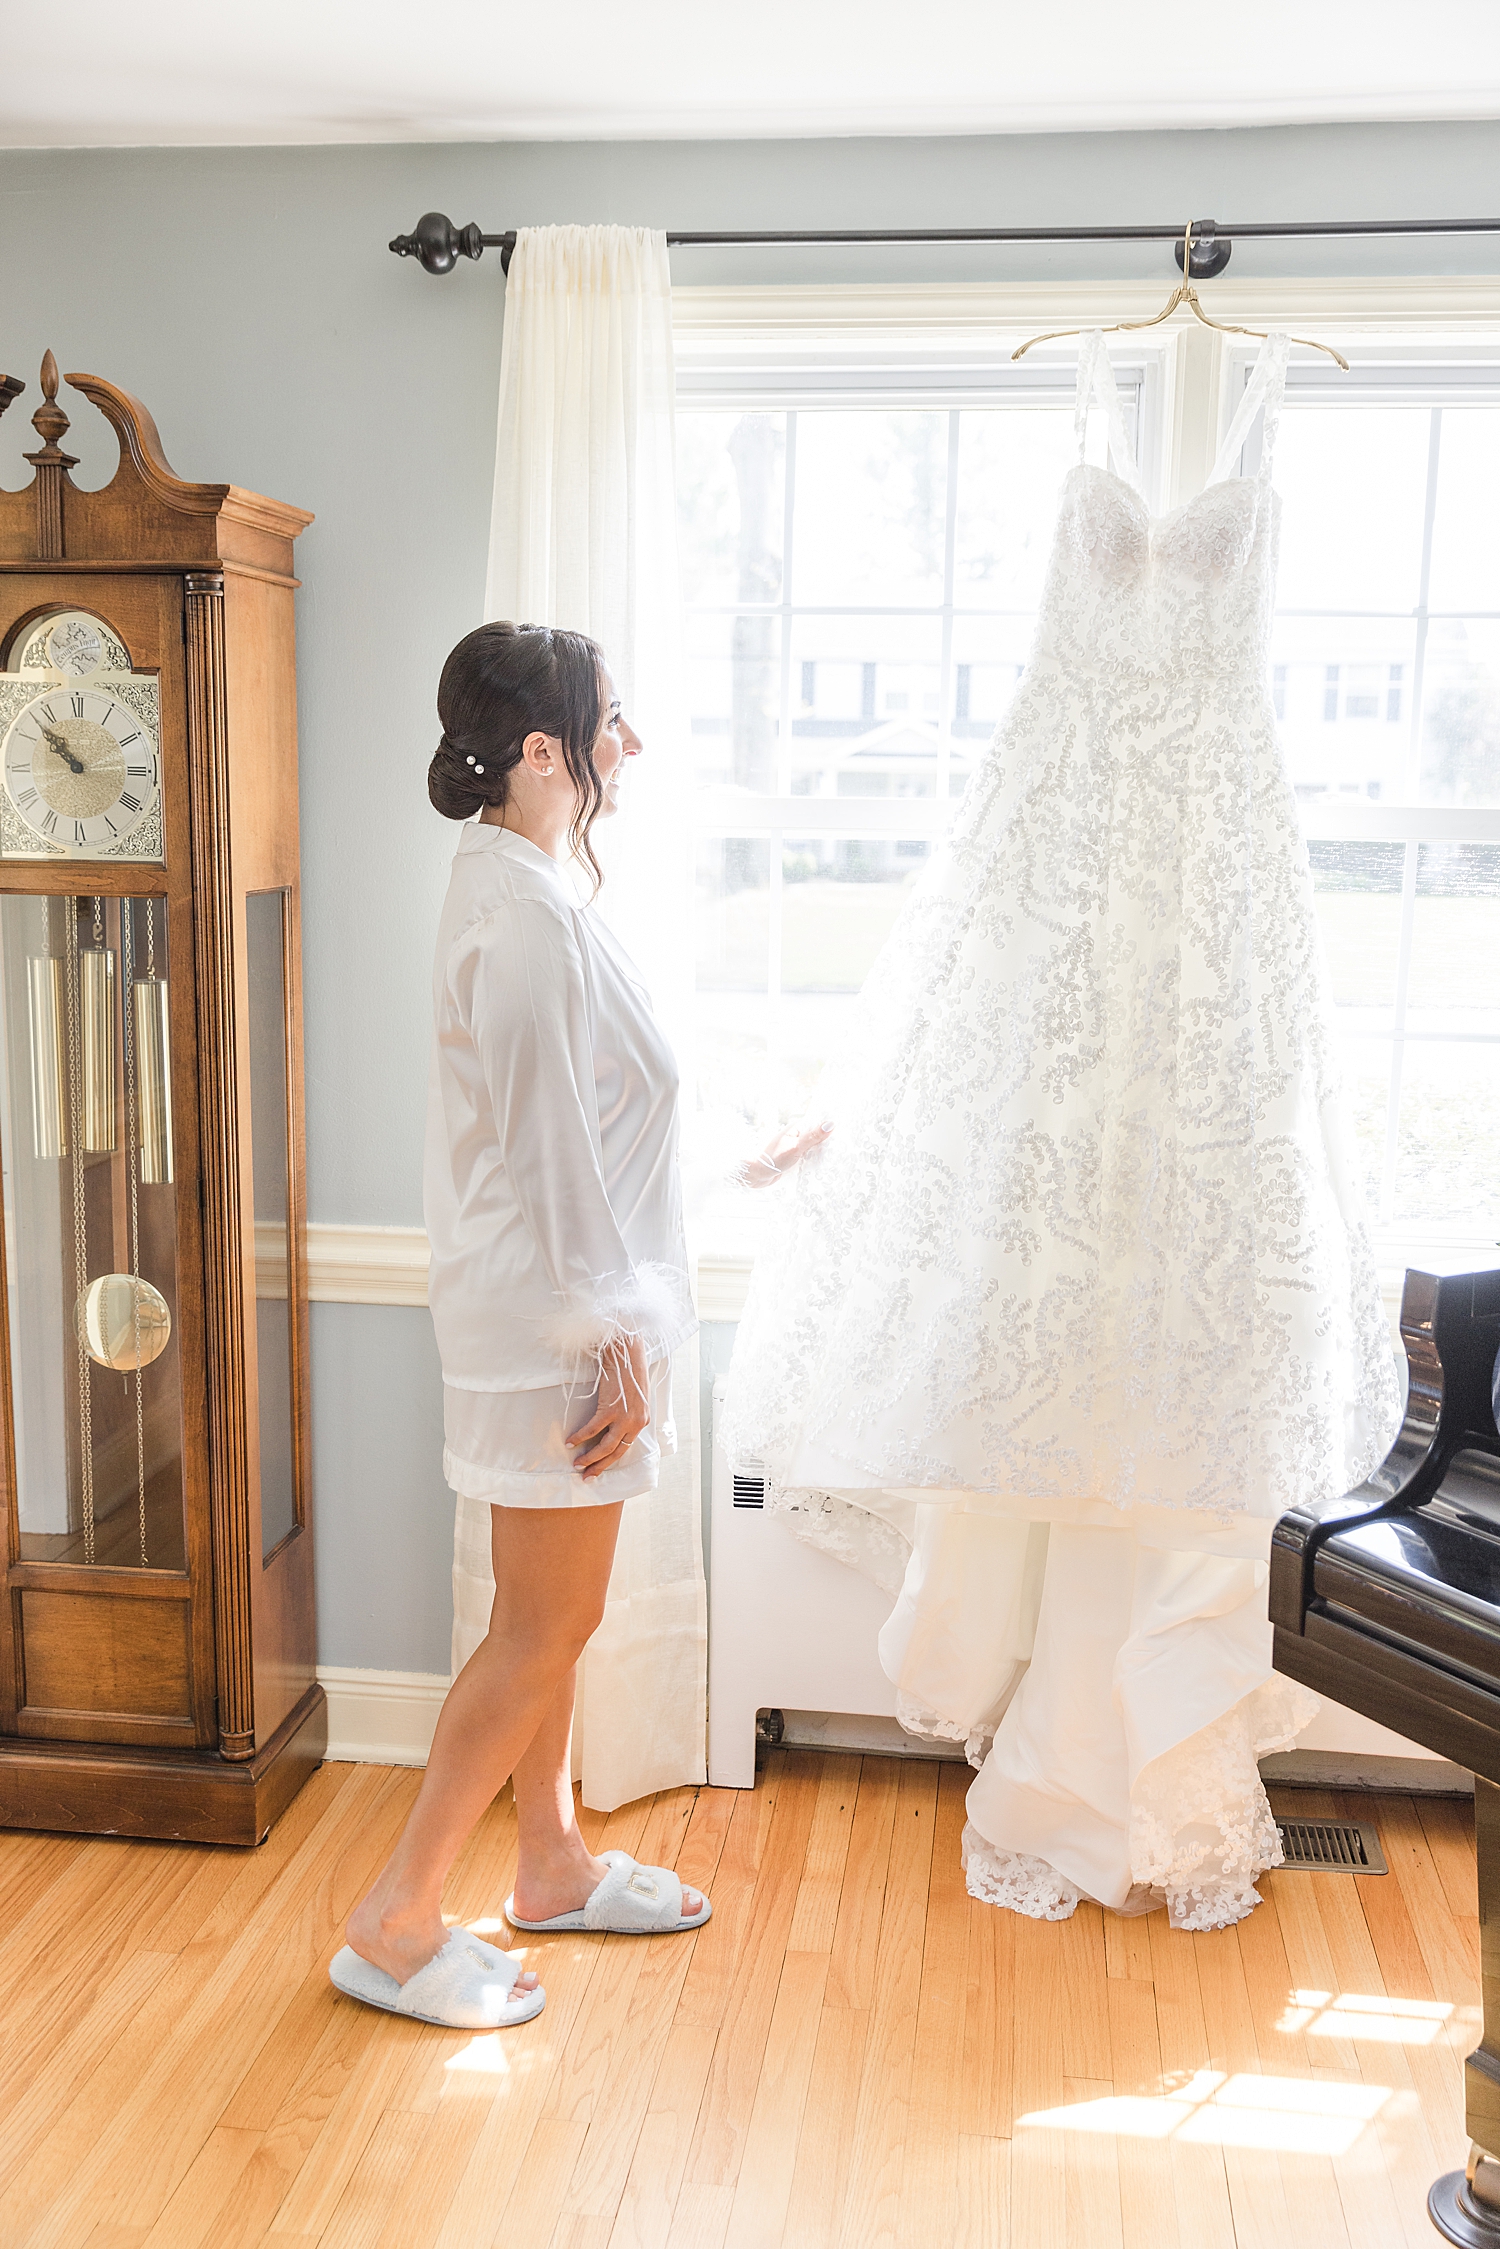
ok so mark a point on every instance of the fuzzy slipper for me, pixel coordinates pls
(469, 1985)
(632, 1900)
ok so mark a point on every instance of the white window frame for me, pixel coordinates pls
(940, 347)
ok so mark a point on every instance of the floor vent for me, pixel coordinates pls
(749, 1488)
(1332, 1846)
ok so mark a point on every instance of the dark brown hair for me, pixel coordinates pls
(501, 683)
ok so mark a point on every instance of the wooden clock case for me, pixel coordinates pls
(155, 1702)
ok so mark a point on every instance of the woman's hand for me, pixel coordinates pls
(624, 1410)
(781, 1155)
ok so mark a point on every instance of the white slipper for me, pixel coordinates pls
(632, 1900)
(469, 1985)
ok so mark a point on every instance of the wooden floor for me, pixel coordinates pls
(850, 2053)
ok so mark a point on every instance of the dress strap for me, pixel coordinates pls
(1266, 387)
(1096, 379)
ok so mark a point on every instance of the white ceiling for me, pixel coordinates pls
(236, 71)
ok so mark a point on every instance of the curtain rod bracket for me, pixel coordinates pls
(1210, 251)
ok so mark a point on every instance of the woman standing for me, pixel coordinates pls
(559, 1288)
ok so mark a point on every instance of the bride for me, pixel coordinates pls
(1078, 1297)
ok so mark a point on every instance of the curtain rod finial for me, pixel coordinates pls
(438, 243)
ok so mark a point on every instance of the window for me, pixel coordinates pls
(863, 540)
(860, 576)
(1389, 611)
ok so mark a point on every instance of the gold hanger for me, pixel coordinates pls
(1183, 294)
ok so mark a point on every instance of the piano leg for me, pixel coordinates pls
(1465, 2205)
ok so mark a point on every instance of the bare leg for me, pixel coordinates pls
(557, 1870)
(552, 1570)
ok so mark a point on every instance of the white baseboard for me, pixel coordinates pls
(380, 1717)
(387, 1718)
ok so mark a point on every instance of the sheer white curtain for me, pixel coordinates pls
(583, 534)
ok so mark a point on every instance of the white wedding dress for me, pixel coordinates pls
(1079, 1298)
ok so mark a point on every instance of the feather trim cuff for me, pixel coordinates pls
(652, 1304)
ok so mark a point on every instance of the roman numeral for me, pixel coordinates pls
(26, 797)
(77, 706)
(78, 832)
(107, 716)
(49, 825)
(49, 714)
(114, 831)
(127, 739)
(131, 804)
(139, 772)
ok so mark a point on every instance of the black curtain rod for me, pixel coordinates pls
(438, 244)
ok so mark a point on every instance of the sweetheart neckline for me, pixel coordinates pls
(1258, 482)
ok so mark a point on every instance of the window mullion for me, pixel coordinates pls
(1409, 866)
(1419, 650)
(945, 661)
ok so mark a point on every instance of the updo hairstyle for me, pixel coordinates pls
(501, 683)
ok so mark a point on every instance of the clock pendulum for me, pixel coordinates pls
(121, 1321)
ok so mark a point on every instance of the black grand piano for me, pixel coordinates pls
(1388, 1601)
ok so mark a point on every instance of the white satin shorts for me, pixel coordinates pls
(508, 1446)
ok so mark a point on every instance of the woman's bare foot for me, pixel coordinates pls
(403, 1940)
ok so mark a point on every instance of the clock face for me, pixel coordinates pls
(80, 750)
(82, 769)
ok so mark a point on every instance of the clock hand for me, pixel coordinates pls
(61, 747)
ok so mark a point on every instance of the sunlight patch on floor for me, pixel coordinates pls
(1358, 2015)
(485, 2055)
(1294, 2115)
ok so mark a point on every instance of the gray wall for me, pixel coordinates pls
(247, 296)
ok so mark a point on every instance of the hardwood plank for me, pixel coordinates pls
(1449, 1945)
(1085, 2002)
(856, 1939)
(820, 2176)
(1038, 2155)
(929, 2183)
(763, 2187)
(1261, 2195)
(745, 2018)
(1127, 1947)
(388, 2156)
(882, 2125)
(653, 2183)
(636, 2046)
(983, 2216)
(206, 2185)
(1093, 2178)
(817, 1912)
(1447, 1822)
(1204, 2215)
(1148, 2201)
(985, 2103)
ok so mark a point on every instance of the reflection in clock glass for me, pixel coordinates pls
(80, 768)
(73, 648)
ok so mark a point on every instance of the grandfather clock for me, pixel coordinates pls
(156, 1632)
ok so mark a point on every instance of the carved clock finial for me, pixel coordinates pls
(51, 465)
(11, 387)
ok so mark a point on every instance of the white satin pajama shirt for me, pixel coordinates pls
(551, 1190)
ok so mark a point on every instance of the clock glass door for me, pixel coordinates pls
(91, 1240)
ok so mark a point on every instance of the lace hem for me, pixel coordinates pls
(916, 1718)
(1201, 1827)
(852, 1535)
(1016, 1880)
